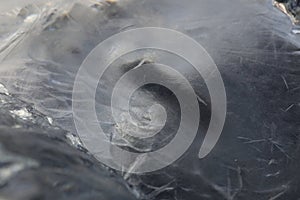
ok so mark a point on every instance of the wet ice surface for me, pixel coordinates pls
(253, 45)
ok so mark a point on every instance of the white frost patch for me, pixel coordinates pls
(22, 113)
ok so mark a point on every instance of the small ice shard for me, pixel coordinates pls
(74, 140)
(290, 7)
(31, 18)
(111, 1)
(50, 120)
(3, 90)
(296, 31)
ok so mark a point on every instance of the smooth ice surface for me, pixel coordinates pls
(254, 47)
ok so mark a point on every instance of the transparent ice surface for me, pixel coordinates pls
(254, 47)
